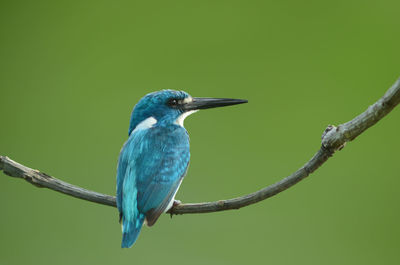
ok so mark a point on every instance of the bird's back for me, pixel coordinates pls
(151, 166)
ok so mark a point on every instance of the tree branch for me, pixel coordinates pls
(333, 139)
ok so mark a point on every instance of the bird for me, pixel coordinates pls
(153, 161)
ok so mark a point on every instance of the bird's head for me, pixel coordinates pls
(172, 107)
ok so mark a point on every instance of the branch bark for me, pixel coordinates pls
(333, 139)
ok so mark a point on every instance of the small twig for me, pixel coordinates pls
(333, 139)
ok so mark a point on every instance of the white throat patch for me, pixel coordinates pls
(180, 119)
(146, 124)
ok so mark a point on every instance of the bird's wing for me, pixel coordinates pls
(121, 173)
(163, 194)
(158, 158)
(162, 164)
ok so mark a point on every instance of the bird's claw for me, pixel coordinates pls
(176, 203)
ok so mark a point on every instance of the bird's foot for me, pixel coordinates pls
(176, 203)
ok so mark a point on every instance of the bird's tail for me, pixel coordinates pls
(131, 230)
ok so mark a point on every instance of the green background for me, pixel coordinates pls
(71, 72)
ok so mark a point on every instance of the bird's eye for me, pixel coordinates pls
(173, 102)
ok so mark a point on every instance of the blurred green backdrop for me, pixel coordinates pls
(71, 71)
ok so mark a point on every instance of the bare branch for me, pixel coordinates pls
(333, 139)
(43, 180)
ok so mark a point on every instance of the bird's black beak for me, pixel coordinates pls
(206, 103)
